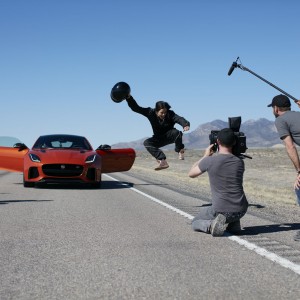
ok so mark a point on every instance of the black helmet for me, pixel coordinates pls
(120, 91)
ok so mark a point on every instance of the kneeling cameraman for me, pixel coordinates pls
(225, 171)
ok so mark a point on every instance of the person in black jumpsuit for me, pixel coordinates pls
(162, 120)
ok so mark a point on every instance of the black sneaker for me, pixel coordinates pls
(218, 225)
(234, 227)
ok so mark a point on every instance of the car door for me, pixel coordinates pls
(12, 159)
(116, 160)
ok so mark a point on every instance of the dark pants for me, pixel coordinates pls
(154, 143)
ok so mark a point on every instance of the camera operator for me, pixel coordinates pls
(287, 123)
(225, 171)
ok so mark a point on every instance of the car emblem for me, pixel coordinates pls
(62, 166)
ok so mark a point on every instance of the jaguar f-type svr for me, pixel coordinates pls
(64, 159)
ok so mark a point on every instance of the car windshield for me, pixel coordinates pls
(62, 142)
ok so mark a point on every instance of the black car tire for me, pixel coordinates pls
(27, 183)
(96, 185)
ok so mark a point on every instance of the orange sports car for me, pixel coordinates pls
(64, 159)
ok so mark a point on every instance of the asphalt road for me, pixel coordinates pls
(122, 242)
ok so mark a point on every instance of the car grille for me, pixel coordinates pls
(62, 170)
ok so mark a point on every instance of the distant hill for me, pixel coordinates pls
(260, 133)
(8, 141)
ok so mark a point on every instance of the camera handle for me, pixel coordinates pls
(245, 156)
(240, 66)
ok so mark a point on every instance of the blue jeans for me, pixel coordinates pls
(207, 214)
(297, 191)
(203, 220)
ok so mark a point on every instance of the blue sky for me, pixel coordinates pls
(60, 59)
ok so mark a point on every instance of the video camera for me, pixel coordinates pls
(240, 146)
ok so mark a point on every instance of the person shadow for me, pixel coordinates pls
(261, 229)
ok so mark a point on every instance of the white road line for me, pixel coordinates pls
(251, 246)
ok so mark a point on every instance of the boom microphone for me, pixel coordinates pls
(240, 66)
(233, 66)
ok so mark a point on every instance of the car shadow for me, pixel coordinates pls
(113, 185)
(21, 201)
(156, 184)
(105, 185)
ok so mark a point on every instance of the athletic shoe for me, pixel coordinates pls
(181, 154)
(162, 165)
(234, 227)
(297, 237)
(218, 225)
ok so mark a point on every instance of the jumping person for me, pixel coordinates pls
(162, 120)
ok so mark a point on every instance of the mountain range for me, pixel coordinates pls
(259, 133)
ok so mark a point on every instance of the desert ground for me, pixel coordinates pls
(268, 180)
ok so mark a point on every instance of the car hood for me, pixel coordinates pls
(62, 155)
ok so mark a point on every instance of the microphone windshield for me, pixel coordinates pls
(233, 66)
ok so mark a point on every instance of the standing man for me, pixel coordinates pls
(225, 171)
(287, 123)
(162, 120)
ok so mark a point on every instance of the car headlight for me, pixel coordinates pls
(91, 158)
(34, 157)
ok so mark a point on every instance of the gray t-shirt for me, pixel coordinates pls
(225, 173)
(289, 124)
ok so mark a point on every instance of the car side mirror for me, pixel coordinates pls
(21, 146)
(104, 147)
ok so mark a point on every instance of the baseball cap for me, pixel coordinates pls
(280, 101)
(226, 137)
